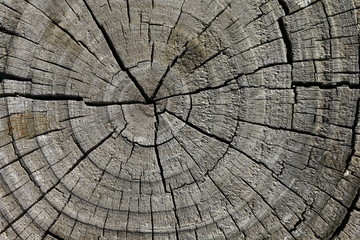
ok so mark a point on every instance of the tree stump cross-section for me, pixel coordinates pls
(163, 119)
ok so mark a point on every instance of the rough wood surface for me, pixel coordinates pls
(164, 119)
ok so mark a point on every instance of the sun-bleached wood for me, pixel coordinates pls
(161, 119)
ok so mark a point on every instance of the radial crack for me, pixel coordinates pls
(117, 56)
(10, 223)
(284, 6)
(158, 86)
(287, 40)
(353, 138)
(346, 219)
(200, 90)
(157, 150)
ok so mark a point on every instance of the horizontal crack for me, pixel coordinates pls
(199, 90)
(44, 97)
(326, 85)
(110, 103)
(4, 76)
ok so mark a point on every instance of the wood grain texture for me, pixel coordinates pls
(161, 119)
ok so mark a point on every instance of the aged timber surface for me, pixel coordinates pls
(179, 119)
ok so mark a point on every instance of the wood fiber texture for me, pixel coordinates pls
(179, 119)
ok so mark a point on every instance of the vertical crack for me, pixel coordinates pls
(128, 11)
(284, 6)
(177, 226)
(353, 139)
(157, 150)
(152, 217)
(108, 2)
(287, 40)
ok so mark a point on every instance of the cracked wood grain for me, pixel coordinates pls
(211, 119)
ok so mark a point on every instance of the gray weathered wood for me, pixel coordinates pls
(161, 119)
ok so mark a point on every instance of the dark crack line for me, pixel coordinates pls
(160, 83)
(73, 10)
(199, 129)
(128, 11)
(176, 23)
(56, 64)
(117, 56)
(18, 158)
(152, 216)
(287, 40)
(60, 211)
(311, 3)
(191, 157)
(208, 60)
(284, 6)
(13, 9)
(110, 8)
(10, 223)
(6, 76)
(302, 219)
(53, 235)
(221, 191)
(346, 219)
(234, 148)
(353, 138)
(79, 42)
(186, 48)
(13, 33)
(44, 97)
(321, 85)
(47, 132)
(177, 226)
(200, 90)
(157, 150)
(110, 103)
(270, 205)
(227, 83)
(235, 222)
(287, 129)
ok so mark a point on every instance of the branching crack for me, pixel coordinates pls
(158, 86)
(117, 56)
(10, 223)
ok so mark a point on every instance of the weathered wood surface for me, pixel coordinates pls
(162, 119)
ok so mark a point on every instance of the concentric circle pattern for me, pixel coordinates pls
(164, 119)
